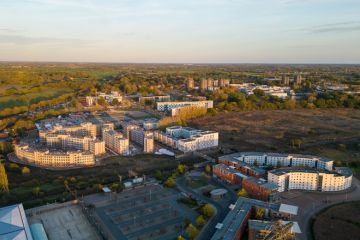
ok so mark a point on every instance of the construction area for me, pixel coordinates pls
(149, 212)
(63, 222)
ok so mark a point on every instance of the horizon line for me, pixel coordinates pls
(177, 63)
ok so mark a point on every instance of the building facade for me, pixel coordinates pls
(54, 159)
(187, 139)
(168, 106)
(259, 188)
(228, 174)
(311, 179)
(116, 141)
(67, 141)
(284, 160)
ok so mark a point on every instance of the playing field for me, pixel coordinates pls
(149, 212)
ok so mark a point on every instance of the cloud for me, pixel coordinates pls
(336, 27)
(19, 39)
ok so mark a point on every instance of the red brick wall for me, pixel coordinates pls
(231, 178)
(255, 191)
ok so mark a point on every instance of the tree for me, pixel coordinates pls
(170, 182)
(158, 174)
(115, 102)
(101, 101)
(200, 221)
(255, 163)
(278, 164)
(208, 169)
(208, 210)
(115, 187)
(243, 193)
(25, 170)
(259, 213)
(180, 238)
(36, 191)
(4, 183)
(181, 168)
(296, 143)
(14, 167)
(192, 231)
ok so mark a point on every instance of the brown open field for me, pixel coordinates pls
(338, 222)
(321, 131)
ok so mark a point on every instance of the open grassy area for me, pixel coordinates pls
(31, 96)
(338, 222)
(321, 131)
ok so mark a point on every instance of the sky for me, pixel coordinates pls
(181, 31)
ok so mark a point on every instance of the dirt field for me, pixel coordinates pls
(339, 222)
(321, 131)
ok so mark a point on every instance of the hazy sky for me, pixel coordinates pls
(209, 31)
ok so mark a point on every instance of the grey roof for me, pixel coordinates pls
(238, 215)
(233, 158)
(13, 223)
(344, 171)
(262, 183)
(340, 172)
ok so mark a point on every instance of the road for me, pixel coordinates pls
(221, 209)
(311, 203)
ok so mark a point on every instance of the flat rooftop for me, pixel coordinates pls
(281, 171)
(238, 215)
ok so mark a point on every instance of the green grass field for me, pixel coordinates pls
(43, 93)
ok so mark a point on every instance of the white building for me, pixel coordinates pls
(91, 100)
(168, 106)
(187, 139)
(143, 138)
(54, 159)
(67, 141)
(311, 179)
(284, 160)
(115, 141)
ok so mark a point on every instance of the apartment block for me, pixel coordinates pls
(55, 159)
(116, 141)
(311, 179)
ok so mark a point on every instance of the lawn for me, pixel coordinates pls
(41, 94)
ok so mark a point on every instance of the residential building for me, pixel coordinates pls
(228, 174)
(143, 138)
(283, 160)
(155, 98)
(224, 82)
(311, 179)
(233, 160)
(260, 189)
(67, 141)
(203, 84)
(150, 123)
(187, 139)
(298, 79)
(73, 128)
(116, 141)
(285, 80)
(235, 222)
(108, 97)
(55, 159)
(190, 83)
(168, 106)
